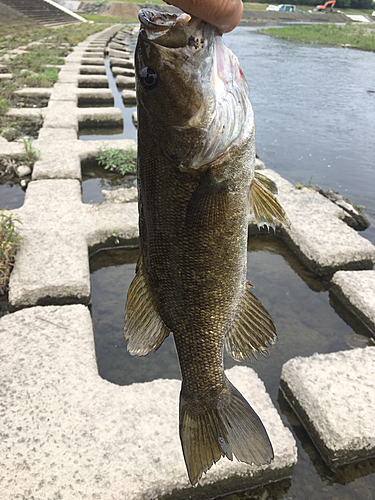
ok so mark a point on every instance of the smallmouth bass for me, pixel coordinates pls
(196, 181)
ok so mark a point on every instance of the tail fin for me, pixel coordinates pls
(231, 427)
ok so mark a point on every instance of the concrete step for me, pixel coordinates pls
(42, 12)
(55, 400)
(333, 396)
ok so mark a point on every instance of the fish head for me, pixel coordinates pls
(192, 96)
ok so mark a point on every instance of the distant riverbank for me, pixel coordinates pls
(259, 17)
(350, 35)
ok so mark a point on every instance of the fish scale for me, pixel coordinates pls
(193, 207)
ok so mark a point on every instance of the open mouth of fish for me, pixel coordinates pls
(225, 112)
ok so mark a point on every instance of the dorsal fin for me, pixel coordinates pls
(144, 328)
(263, 203)
(253, 330)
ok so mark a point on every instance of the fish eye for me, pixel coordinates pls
(148, 77)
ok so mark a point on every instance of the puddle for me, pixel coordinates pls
(95, 178)
(11, 196)
(296, 299)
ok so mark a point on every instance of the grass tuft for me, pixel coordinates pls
(9, 243)
(117, 160)
(349, 35)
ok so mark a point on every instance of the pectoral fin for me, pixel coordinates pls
(253, 330)
(144, 328)
(263, 203)
(207, 206)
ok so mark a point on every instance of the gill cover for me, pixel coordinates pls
(199, 105)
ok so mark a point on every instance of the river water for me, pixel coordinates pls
(314, 112)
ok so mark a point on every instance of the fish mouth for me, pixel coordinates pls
(161, 21)
(167, 29)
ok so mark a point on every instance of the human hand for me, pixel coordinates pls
(224, 14)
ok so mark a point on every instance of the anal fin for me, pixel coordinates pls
(253, 330)
(144, 329)
(263, 203)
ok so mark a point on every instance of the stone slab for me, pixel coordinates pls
(92, 96)
(120, 46)
(356, 289)
(119, 53)
(52, 261)
(129, 97)
(93, 81)
(93, 69)
(57, 163)
(57, 229)
(116, 70)
(68, 434)
(334, 397)
(65, 92)
(33, 92)
(123, 63)
(102, 116)
(89, 149)
(61, 114)
(99, 61)
(26, 113)
(68, 77)
(318, 235)
(49, 135)
(93, 55)
(125, 81)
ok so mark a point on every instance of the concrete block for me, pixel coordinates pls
(93, 81)
(52, 261)
(334, 398)
(129, 97)
(61, 163)
(92, 69)
(99, 61)
(26, 113)
(116, 70)
(64, 91)
(317, 235)
(125, 81)
(6, 76)
(95, 96)
(68, 77)
(49, 135)
(68, 433)
(123, 63)
(61, 114)
(356, 290)
(105, 117)
(119, 53)
(34, 92)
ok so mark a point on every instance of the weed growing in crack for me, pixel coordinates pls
(31, 155)
(117, 160)
(9, 243)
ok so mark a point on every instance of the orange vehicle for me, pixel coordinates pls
(323, 8)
